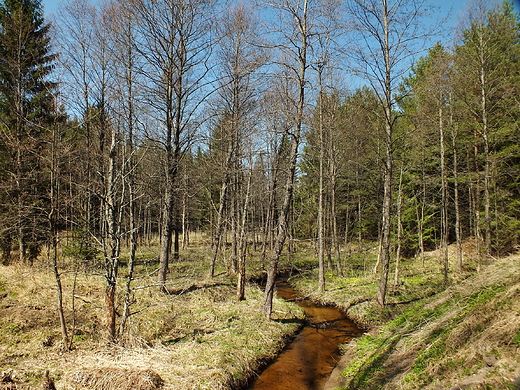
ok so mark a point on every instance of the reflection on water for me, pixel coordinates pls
(307, 362)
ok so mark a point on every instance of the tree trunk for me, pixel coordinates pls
(335, 239)
(399, 229)
(110, 304)
(54, 237)
(166, 234)
(387, 196)
(111, 238)
(487, 162)
(321, 228)
(444, 200)
(172, 165)
(476, 209)
(283, 220)
(458, 228)
(283, 223)
(242, 241)
(385, 237)
(130, 178)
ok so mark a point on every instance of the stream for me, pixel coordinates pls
(307, 362)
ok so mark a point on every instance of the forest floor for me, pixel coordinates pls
(464, 335)
(196, 337)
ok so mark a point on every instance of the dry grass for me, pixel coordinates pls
(114, 379)
(198, 337)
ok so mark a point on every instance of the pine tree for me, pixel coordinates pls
(26, 106)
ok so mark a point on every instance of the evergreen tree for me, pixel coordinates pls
(427, 110)
(26, 107)
(487, 76)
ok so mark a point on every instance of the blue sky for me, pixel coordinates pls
(50, 6)
(456, 6)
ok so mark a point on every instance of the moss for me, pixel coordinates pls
(429, 354)
(516, 339)
(485, 295)
(371, 351)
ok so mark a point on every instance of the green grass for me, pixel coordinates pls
(435, 348)
(370, 355)
(516, 339)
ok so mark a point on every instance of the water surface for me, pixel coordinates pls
(306, 363)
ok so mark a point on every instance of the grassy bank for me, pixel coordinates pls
(431, 336)
(197, 337)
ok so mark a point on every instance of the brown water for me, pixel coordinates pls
(306, 363)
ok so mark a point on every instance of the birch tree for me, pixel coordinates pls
(173, 38)
(241, 58)
(294, 41)
(391, 32)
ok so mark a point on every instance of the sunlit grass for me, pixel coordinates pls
(444, 336)
(198, 336)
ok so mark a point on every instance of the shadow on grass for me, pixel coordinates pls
(195, 287)
(371, 375)
(298, 321)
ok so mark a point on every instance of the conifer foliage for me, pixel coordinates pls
(26, 106)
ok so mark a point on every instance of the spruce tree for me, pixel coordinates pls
(26, 107)
(487, 69)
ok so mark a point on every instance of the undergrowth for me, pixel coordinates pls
(198, 336)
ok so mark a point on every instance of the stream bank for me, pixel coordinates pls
(466, 336)
(307, 361)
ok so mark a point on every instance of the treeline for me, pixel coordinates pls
(141, 120)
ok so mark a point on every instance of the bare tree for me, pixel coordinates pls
(173, 39)
(323, 52)
(391, 32)
(241, 58)
(125, 108)
(88, 60)
(295, 37)
(76, 31)
(55, 142)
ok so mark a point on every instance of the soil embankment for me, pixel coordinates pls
(467, 337)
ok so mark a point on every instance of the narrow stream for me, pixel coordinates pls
(306, 363)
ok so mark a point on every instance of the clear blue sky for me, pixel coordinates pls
(457, 7)
(50, 6)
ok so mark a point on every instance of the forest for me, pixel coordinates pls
(232, 132)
